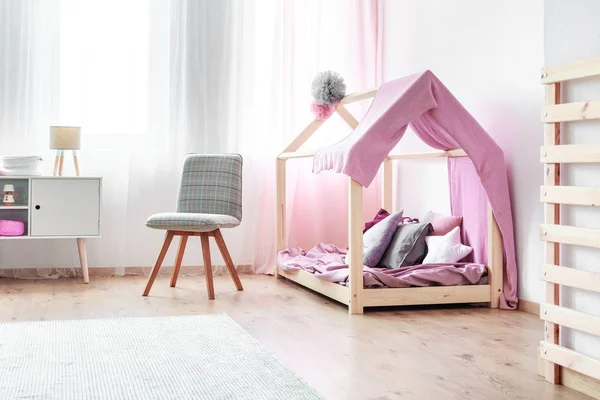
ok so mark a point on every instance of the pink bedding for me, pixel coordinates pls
(326, 261)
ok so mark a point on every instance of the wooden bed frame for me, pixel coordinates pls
(355, 296)
(552, 194)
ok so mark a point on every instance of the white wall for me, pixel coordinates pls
(572, 32)
(489, 54)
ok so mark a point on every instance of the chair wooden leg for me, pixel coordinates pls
(180, 252)
(159, 261)
(227, 258)
(207, 266)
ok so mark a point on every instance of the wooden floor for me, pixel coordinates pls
(400, 353)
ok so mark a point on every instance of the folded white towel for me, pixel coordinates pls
(19, 161)
(21, 165)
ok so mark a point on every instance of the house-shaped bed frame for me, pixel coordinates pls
(355, 295)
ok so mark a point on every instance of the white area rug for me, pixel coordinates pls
(190, 357)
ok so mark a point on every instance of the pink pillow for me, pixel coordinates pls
(381, 215)
(442, 224)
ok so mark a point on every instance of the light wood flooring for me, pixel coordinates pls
(399, 353)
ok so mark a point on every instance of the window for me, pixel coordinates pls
(104, 66)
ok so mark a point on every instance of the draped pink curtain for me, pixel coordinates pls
(313, 36)
(469, 200)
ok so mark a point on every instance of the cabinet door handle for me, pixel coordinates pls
(37, 207)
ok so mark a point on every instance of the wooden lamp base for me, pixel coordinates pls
(59, 159)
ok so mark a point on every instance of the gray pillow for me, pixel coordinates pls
(407, 247)
(377, 239)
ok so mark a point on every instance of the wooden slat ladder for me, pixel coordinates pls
(552, 194)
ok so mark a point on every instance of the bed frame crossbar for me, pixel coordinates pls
(401, 156)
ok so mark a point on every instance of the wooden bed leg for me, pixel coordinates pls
(355, 244)
(552, 216)
(495, 260)
(386, 186)
(280, 241)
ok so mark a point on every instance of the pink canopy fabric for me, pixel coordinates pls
(439, 119)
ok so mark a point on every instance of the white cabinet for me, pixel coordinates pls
(52, 207)
(65, 207)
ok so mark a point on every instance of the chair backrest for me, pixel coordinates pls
(211, 184)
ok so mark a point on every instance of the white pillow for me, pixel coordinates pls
(446, 249)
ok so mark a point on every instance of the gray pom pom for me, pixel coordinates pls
(328, 87)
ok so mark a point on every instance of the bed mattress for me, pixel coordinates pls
(326, 261)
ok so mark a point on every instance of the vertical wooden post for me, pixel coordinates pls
(552, 216)
(280, 241)
(495, 259)
(386, 186)
(355, 245)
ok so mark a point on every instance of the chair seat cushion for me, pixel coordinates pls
(192, 222)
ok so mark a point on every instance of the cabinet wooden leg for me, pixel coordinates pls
(207, 266)
(83, 260)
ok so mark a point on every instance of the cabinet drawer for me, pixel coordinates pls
(65, 207)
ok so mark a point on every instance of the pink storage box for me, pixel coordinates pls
(11, 228)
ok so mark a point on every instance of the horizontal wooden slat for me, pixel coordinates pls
(333, 290)
(426, 295)
(570, 153)
(429, 154)
(571, 111)
(575, 70)
(583, 196)
(570, 359)
(572, 379)
(570, 318)
(296, 154)
(570, 235)
(358, 96)
(571, 277)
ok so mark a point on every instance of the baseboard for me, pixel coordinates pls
(530, 307)
(32, 273)
(572, 379)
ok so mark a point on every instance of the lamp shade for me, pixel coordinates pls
(9, 188)
(65, 137)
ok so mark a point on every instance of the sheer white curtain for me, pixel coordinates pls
(152, 80)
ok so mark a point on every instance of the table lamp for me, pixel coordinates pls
(65, 138)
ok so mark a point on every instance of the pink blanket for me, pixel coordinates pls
(439, 119)
(326, 261)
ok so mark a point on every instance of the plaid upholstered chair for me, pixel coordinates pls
(210, 198)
